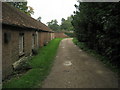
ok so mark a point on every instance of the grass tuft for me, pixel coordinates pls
(41, 65)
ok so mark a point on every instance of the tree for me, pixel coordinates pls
(39, 19)
(30, 10)
(53, 24)
(97, 26)
(22, 6)
(66, 25)
(62, 20)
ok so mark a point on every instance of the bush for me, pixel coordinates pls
(97, 26)
(34, 51)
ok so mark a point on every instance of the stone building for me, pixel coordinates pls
(21, 34)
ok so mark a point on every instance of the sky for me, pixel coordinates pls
(52, 9)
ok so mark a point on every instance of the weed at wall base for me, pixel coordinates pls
(41, 65)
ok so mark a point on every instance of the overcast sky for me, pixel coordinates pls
(52, 9)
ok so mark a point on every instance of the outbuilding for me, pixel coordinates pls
(21, 34)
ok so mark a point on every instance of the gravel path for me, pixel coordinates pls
(73, 68)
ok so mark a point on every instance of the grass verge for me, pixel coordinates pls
(96, 55)
(41, 66)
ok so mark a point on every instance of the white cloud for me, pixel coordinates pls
(52, 9)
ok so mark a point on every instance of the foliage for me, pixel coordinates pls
(39, 19)
(41, 65)
(92, 52)
(53, 24)
(97, 26)
(66, 25)
(23, 7)
(30, 10)
(69, 34)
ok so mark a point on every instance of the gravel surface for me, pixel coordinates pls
(73, 68)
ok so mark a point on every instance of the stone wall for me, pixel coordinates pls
(60, 35)
(10, 49)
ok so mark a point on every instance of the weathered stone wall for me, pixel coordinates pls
(10, 50)
(41, 39)
(60, 35)
(45, 40)
(27, 42)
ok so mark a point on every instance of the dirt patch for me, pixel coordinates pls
(73, 68)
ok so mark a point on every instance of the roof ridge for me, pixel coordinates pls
(11, 15)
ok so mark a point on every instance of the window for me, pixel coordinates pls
(37, 38)
(21, 44)
(33, 41)
(7, 37)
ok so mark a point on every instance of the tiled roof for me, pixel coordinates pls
(13, 16)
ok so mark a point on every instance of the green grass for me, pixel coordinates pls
(96, 55)
(41, 66)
